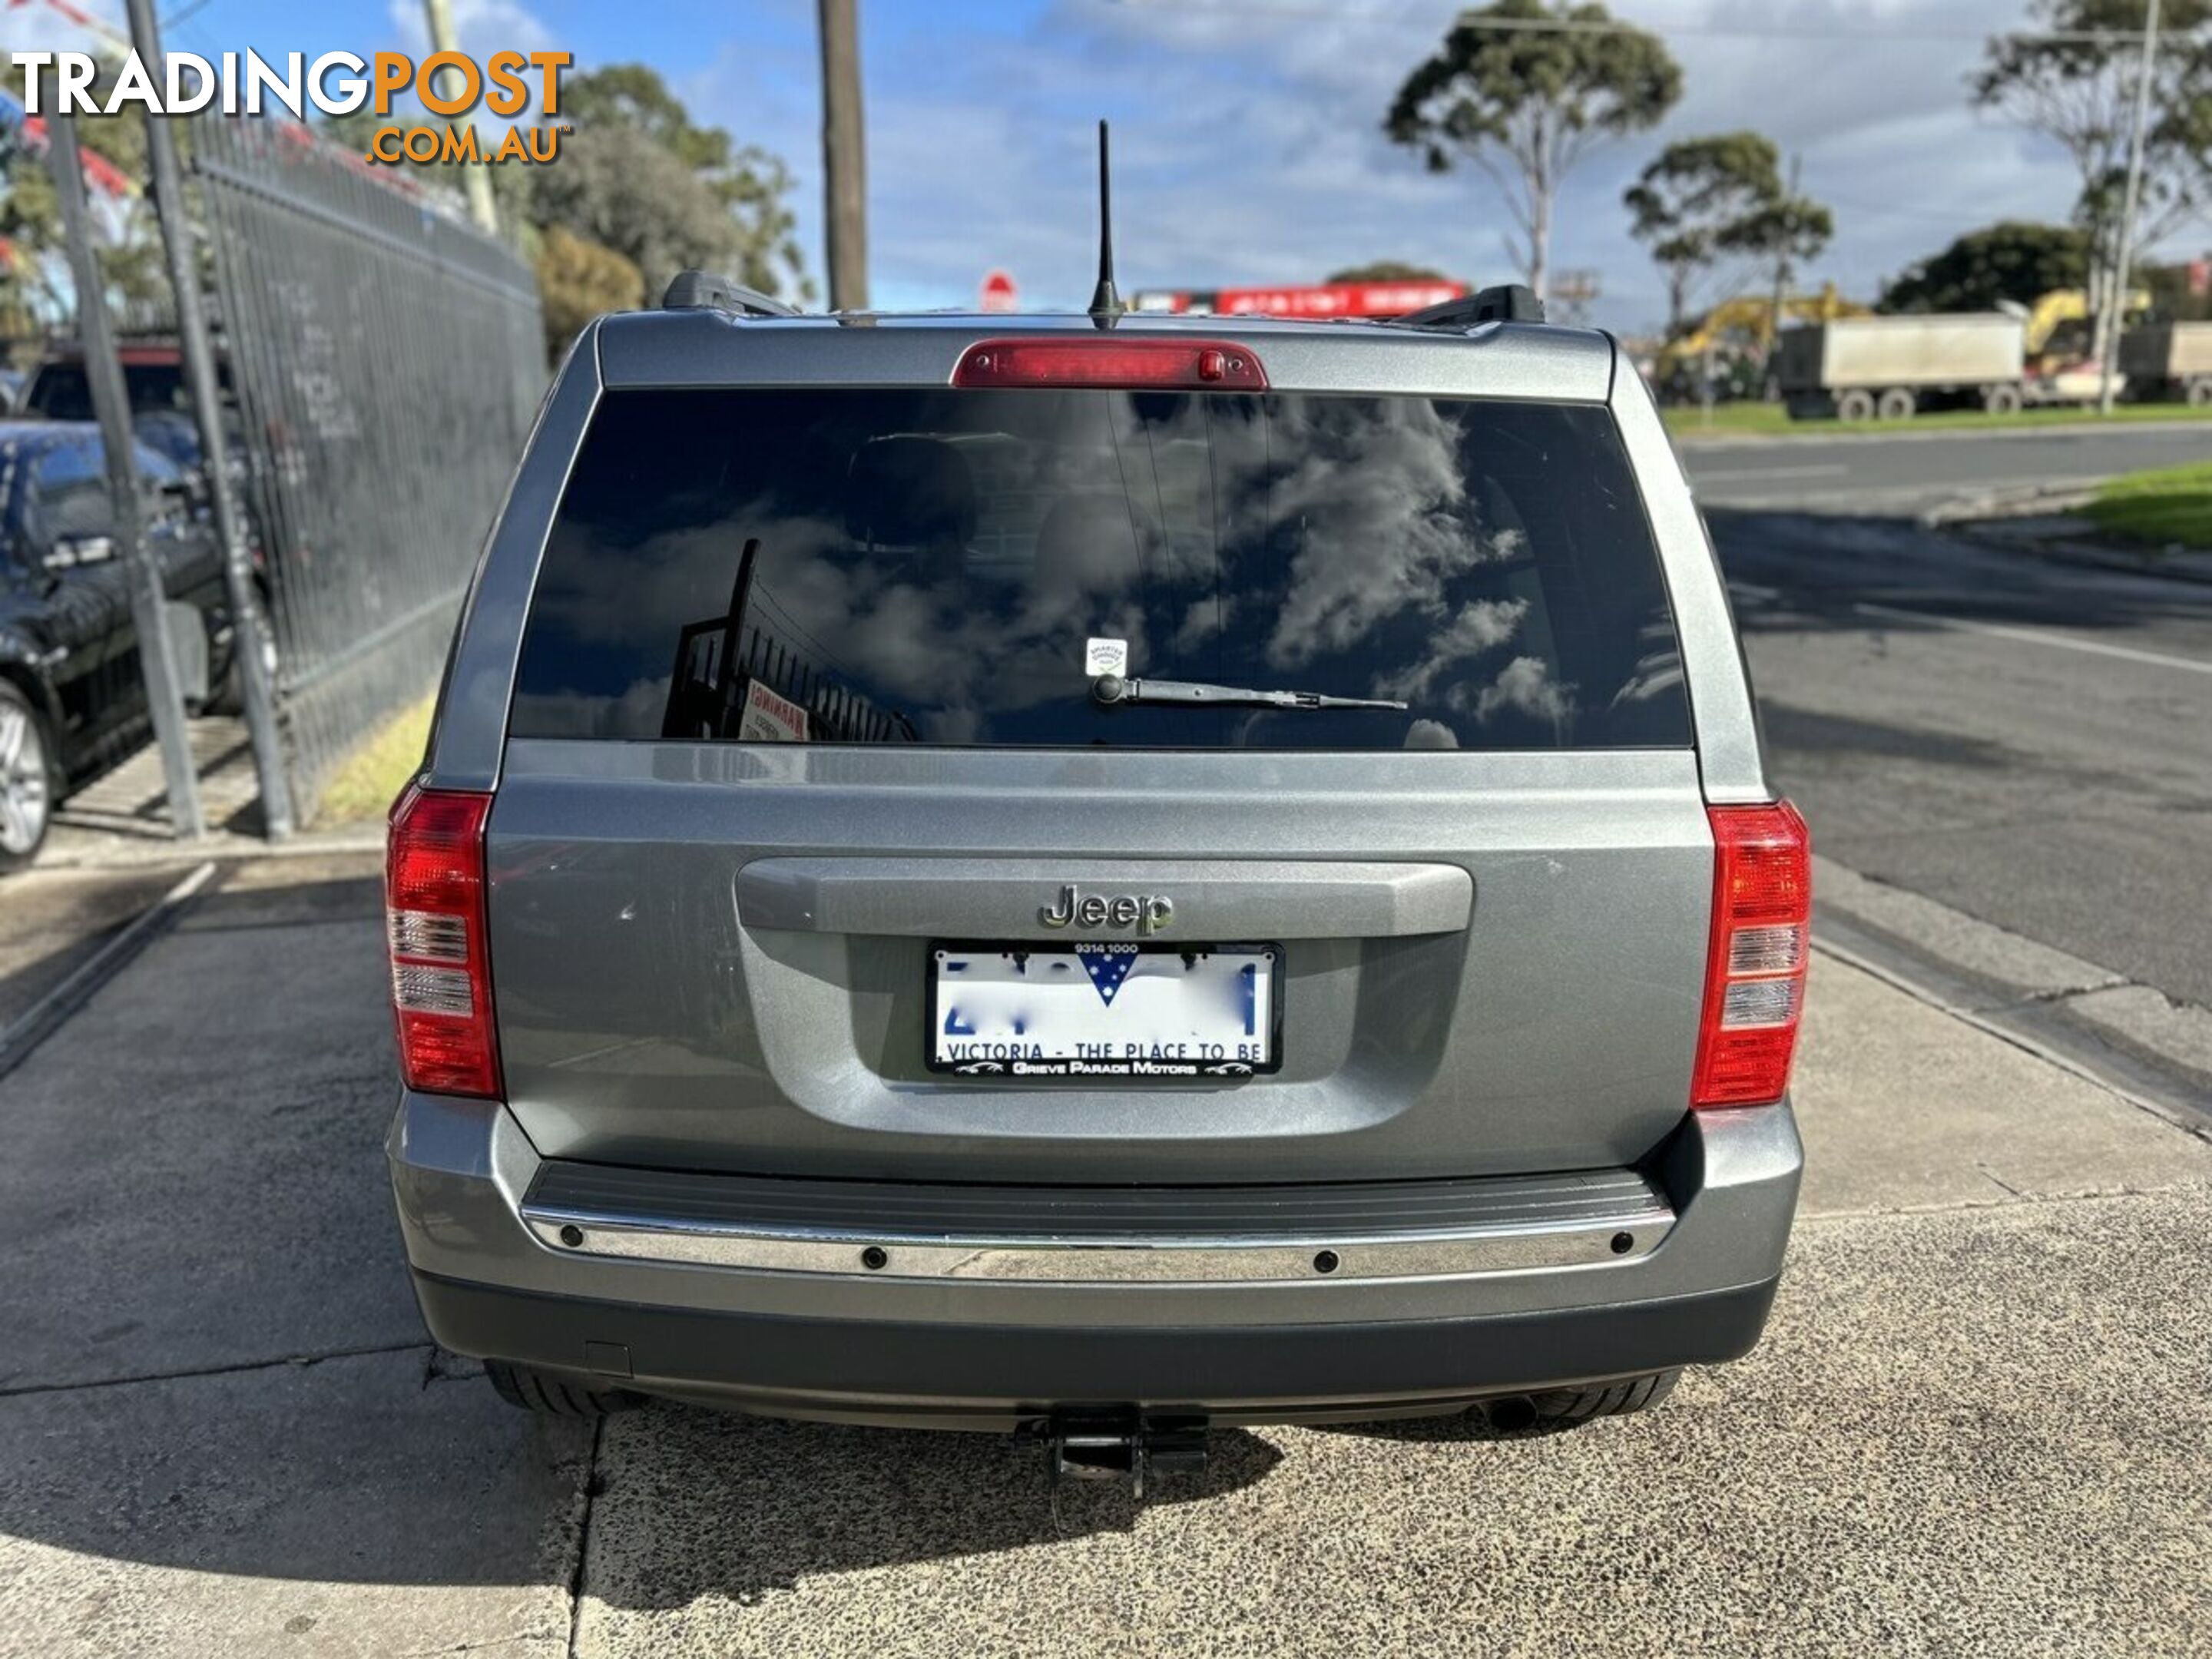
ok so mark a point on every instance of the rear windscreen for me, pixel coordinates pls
(925, 565)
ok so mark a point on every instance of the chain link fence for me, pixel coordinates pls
(387, 360)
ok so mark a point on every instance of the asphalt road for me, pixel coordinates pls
(1904, 473)
(2026, 741)
(1977, 1423)
(2029, 743)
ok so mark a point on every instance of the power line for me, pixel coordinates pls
(1299, 12)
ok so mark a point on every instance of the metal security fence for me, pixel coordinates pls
(725, 664)
(387, 360)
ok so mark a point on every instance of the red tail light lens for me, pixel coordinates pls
(1112, 362)
(433, 917)
(1755, 968)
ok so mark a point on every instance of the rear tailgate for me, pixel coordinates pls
(717, 994)
(802, 727)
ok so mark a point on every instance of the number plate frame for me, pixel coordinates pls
(1114, 1073)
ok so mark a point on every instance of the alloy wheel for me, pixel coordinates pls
(24, 782)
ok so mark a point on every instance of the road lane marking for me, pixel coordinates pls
(1749, 474)
(2036, 637)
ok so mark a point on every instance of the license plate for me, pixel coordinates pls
(1109, 1010)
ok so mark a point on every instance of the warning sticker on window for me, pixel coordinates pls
(770, 718)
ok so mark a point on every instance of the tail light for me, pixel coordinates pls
(433, 918)
(1155, 362)
(1755, 969)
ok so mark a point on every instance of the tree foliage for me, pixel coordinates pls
(638, 175)
(639, 180)
(2175, 294)
(2015, 260)
(1386, 271)
(1525, 104)
(1693, 206)
(2075, 80)
(35, 289)
(1783, 234)
(578, 281)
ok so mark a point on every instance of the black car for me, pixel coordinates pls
(154, 383)
(72, 699)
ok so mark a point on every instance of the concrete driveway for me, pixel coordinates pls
(1978, 1423)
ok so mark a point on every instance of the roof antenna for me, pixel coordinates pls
(1105, 303)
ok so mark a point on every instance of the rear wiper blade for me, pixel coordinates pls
(1111, 689)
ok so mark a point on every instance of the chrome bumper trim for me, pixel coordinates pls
(1587, 1242)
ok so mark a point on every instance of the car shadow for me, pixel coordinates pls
(1472, 1427)
(1806, 573)
(216, 1363)
(400, 1470)
(819, 1499)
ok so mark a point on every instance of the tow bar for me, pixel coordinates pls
(1119, 1445)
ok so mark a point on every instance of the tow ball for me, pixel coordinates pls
(1125, 1445)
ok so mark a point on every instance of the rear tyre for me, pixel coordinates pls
(1857, 404)
(552, 1395)
(1897, 403)
(27, 781)
(229, 696)
(1564, 1407)
(2000, 400)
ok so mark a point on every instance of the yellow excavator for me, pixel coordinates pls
(2058, 336)
(1744, 327)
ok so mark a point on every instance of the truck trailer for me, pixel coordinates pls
(1858, 368)
(2168, 361)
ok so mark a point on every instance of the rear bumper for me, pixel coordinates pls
(882, 1346)
(996, 1377)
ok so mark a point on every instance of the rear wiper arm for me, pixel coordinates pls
(1111, 689)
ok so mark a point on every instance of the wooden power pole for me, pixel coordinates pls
(2114, 316)
(439, 14)
(844, 158)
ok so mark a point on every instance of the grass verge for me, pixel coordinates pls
(2170, 506)
(363, 787)
(1772, 419)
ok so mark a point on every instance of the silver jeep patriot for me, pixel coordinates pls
(1093, 880)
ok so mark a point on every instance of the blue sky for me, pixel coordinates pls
(1245, 137)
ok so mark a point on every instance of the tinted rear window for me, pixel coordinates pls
(61, 392)
(929, 566)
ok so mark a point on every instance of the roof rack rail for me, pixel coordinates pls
(703, 290)
(1508, 302)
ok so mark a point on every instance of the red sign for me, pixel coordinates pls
(998, 292)
(1315, 300)
(2200, 276)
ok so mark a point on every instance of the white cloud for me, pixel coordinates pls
(1481, 626)
(43, 28)
(1525, 684)
(1247, 146)
(482, 27)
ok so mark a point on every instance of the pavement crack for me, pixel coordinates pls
(2117, 1195)
(300, 1360)
(2057, 993)
(584, 1541)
